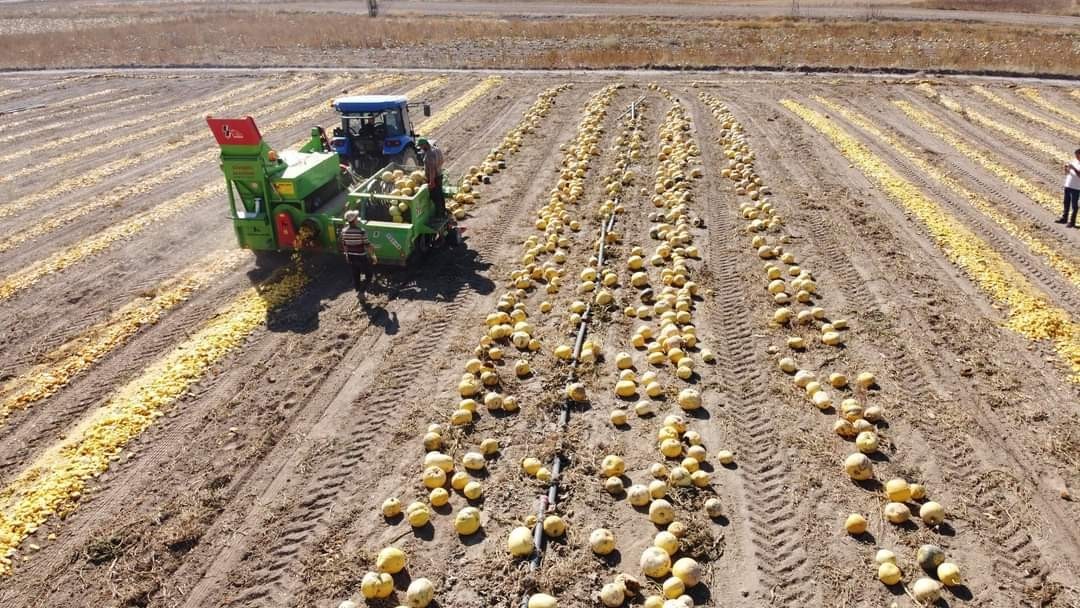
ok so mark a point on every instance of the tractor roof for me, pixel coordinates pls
(368, 103)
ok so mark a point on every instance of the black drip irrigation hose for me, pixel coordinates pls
(546, 501)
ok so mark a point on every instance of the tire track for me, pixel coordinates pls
(774, 528)
(960, 462)
(1052, 282)
(995, 192)
(273, 581)
(30, 435)
(962, 139)
(1026, 113)
(912, 382)
(88, 113)
(1039, 220)
(1034, 162)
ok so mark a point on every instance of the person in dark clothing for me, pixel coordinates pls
(1072, 191)
(358, 251)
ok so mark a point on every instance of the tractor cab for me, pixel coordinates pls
(375, 130)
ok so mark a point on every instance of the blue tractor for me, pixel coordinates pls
(375, 131)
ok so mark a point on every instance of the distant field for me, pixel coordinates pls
(206, 36)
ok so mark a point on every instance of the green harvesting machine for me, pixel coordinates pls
(296, 199)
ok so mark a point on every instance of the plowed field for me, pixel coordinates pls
(775, 276)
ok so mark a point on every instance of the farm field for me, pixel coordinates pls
(778, 276)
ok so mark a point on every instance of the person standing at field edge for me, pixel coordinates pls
(1072, 190)
(358, 251)
(433, 163)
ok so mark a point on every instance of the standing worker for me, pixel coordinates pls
(1072, 190)
(433, 163)
(358, 251)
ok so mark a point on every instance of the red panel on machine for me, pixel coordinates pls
(286, 232)
(235, 131)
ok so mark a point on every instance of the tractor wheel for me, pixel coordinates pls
(407, 158)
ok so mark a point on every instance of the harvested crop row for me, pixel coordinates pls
(952, 138)
(308, 115)
(441, 481)
(1029, 311)
(496, 159)
(563, 519)
(1051, 254)
(422, 89)
(447, 114)
(58, 367)
(1036, 97)
(166, 122)
(62, 260)
(99, 174)
(545, 264)
(1024, 112)
(856, 419)
(77, 252)
(674, 492)
(60, 120)
(52, 484)
(984, 120)
(82, 208)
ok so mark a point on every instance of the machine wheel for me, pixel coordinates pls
(407, 158)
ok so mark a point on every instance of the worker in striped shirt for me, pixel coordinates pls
(358, 251)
